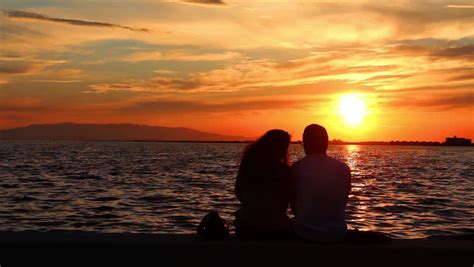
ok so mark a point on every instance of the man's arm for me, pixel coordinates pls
(292, 190)
(349, 186)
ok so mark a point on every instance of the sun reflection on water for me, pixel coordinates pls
(359, 200)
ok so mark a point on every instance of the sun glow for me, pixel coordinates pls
(352, 108)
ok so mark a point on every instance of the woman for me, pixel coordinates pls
(262, 187)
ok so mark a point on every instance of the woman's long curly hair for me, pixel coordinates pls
(262, 160)
(272, 147)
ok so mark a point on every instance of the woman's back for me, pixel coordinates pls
(263, 203)
(262, 187)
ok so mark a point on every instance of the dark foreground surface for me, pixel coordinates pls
(94, 249)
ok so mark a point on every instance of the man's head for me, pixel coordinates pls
(315, 139)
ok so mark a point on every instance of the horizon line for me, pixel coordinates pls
(331, 142)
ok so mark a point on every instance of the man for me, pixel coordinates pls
(321, 187)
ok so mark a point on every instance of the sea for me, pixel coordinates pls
(166, 187)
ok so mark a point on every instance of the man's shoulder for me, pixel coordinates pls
(339, 164)
(319, 159)
(296, 164)
(310, 160)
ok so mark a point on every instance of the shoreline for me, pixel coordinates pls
(367, 143)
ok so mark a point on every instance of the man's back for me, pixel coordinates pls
(321, 187)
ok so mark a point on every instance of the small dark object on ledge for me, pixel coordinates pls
(213, 227)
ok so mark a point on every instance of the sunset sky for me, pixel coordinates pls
(242, 67)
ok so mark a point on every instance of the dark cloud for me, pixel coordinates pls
(10, 31)
(462, 77)
(106, 87)
(40, 17)
(435, 48)
(437, 42)
(459, 101)
(206, 2)
(21, 105)
(464, 52)
(162, 84)
(9, 67)
(15, 64)
(410, 50)
(388, 77)
(435, 87)
(417, 16)
(10, 55)
(176, 83)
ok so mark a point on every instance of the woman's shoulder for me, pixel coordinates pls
(282, 167)
(282, 171)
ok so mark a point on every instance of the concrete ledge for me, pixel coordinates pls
(101, 249)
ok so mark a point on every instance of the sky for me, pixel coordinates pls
(242, 67)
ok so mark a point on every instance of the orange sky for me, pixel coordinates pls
(241, 67)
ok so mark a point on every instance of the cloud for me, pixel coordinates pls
(460, 101)
(463, 52)
(388, 68)
(15, 68)
(206, 2)
(18, 65)
(253, 74)
(165, 72)
(11, 30)
(21, 105)
(227, 79)
(157, 84)
(180, 56)
(8, 55)
(459, 6)
(387, 77)
(444, 102)
(35, 16)
(434, 49)
(462, 77)
(177, 106)
(409, 50)
(56, 81)
(111, 87)
(432, 87)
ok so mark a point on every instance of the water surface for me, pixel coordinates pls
(152, 187)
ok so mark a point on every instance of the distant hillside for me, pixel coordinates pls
(75, 131)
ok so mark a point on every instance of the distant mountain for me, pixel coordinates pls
(115, 132)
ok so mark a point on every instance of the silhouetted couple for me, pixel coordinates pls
(316, 188)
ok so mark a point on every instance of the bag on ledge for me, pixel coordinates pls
(213, 227)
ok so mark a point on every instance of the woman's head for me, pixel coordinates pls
(271, 147)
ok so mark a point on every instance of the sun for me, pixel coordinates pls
(352, 108)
